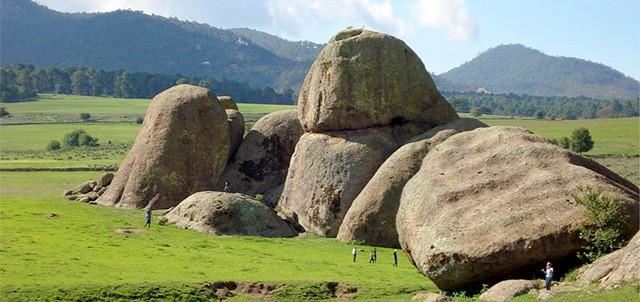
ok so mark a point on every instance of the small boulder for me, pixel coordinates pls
(227, 102)
(219, 213)
(105, 179)
(182, 148)
(507, 290)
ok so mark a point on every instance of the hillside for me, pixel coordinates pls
(134, 41)
(517, 69)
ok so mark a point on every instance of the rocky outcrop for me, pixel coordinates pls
(490, 202)
(182, 148)
(218, 213)
(262, 160)
(614, 269)
(328, 171)
(371, 219)
(507, 290)
(364, 79)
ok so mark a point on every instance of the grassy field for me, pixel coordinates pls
(53, 249)
(611, 136)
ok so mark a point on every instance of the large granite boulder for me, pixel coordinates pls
(328, 171)
(262, 160)
(493, 201)
(614, 269)
(364, 79)
(371, 219)
(219, 213)
(182, 148)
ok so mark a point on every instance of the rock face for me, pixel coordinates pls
(182, 148)
(262, 160)
(363, 79)
(236, 130)
(490, 202)
(616, 268)
(328, 171)
(218, 213)
(371, 219)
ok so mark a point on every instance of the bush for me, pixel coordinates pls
(85, 116)
(606, 220)
(139, 121)
(53, 145)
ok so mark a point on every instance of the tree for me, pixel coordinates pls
(581, 140)
(79, 138)
(85, 116)
(607, 223)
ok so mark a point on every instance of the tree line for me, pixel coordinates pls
(558, 107)
(20, 82)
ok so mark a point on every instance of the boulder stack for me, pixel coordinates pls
(365, 95)
(182, 148)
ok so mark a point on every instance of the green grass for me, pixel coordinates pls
(78, 255)
(611, 136)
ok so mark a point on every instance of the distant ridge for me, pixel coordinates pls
(134, 41)
(517, 69)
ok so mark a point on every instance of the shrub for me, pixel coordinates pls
(139, 121)
(53, 145)
(85, 116)
(606, 220)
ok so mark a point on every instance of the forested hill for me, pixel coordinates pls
(136, 42)
(518, 69)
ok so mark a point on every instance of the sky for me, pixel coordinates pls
(444, 33)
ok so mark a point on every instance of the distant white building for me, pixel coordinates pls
(483, 90)
(242, 42)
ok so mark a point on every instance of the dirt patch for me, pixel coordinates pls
(128, 231)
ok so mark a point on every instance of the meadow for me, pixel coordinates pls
(54, 249)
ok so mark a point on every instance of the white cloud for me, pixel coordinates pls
(299, 18)
(451, 15)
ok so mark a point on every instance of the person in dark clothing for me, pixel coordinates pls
(148, 219)
(395, 257)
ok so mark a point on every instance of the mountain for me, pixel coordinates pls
(133, 41)
(517, 69)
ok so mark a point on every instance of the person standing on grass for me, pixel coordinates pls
(148, 219)
(548, 275)
(354, 251)
(395, 257)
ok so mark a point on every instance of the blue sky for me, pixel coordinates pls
(444, 33)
